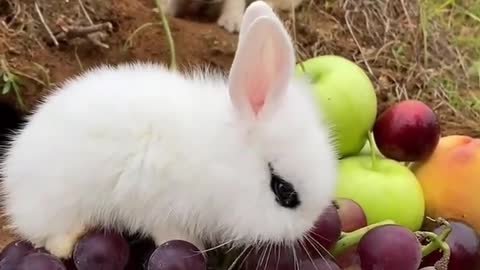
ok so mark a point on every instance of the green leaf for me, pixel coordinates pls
(6, 88)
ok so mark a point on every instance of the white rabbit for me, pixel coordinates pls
(197, 157)
(232, 10)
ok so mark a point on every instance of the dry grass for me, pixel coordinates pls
(410, 49)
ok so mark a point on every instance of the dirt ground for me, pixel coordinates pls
(384, 38)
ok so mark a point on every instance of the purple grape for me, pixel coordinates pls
(325, 233)
(389, 247)
(41, 250)
(177, 255)
(318, 264)
(352, 267)
(271, 258)
(464, 246)
(101, 250)
(349, 259)
(286, 258)
(351, 214)
(13, 253)
(40, 261)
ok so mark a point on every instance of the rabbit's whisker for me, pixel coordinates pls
(262, 257)
(315, 242)
(246, 256)
(269, 251)
(216, 247)
(312, 243)
(306, 251)
(295, 258)
(238, 257)
(321, 236)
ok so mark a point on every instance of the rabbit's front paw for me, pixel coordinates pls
(231, 21)
(62, 246)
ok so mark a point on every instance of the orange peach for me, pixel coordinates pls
(450, 179)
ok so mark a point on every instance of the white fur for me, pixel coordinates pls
(231, 15)
(139, 148)
(232, 10)
(285, 4)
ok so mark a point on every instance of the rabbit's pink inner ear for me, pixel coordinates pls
(261, 67)
(257, 93)
(271, 72)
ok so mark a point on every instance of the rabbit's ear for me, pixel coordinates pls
(262, 67)
(252, 12)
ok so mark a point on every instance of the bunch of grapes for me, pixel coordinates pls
(106, 250)
(341, 239)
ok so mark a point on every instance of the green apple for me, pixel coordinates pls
(346, 97)
(384, 188)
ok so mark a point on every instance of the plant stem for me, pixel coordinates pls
(16, 89)
(442, 264)
(12, 80)
(130, 38)
(166, 27)
(372, 150)
(352, 238)
(436, 241)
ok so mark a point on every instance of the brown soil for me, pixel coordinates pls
(196, 42)
(369, 33)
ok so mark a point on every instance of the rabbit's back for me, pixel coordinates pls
(109, 145)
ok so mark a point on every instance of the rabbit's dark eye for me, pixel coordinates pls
(285, 193)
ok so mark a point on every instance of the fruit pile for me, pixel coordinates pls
(405, 199)
(342, 240)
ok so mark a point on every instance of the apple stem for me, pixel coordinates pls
(372, 150)
(351, 239)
